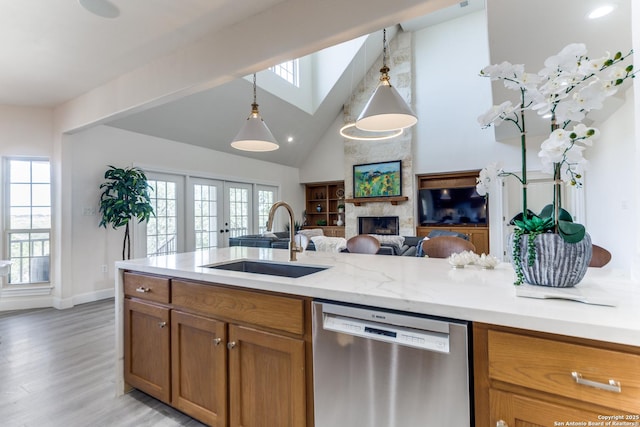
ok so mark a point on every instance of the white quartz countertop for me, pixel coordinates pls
(427, 286)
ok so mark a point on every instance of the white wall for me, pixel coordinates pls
(25, 131)
(450, 96)
(610, 187)
(326, 159)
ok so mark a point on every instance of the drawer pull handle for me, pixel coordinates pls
(162, 324)
(143, 290)
(612, 386)
(501, 423)
(217, 341)
(231, 344)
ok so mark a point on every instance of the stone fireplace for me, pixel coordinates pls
(387, 225)
(398, 148)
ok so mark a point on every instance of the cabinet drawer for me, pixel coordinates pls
(269, 311)
(151, 288)
(547, 365)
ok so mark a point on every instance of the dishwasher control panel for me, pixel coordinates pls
(410, 337)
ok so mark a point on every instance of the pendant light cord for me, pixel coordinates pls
(384, 77)
(254, 106)
(384, 48)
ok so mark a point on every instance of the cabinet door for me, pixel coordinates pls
(266, 379)
(520, 411)
(146, 348)
(198, 366)
(479, 237)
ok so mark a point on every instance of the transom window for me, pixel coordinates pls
(289, 71)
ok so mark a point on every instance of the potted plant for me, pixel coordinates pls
(340, 207)
(296, 227)
(125, 195)
(570, 85)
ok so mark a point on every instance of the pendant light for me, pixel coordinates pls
(386, 110)
(254, 134)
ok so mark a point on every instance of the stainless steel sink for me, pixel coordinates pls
(270, 268)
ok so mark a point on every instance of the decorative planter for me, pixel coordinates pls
(557, 263)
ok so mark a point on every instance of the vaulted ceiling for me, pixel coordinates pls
(55, 50)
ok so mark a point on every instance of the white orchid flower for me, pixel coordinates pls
(486, 177)
(569, 86)
(505, 70)
(497, 114)
(567, 59)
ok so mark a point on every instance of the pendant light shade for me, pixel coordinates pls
(386, 110)
(254, 134)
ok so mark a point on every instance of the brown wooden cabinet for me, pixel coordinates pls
(450, 182)
(479, 236)
(321, 205)
(225, 356)
(147, 335)
(198, 367)
(266, 379)
(526, 378)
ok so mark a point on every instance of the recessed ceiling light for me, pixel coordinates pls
(601, 11)
(290, 139)
(102, 8)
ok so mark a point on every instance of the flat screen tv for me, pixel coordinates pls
(451, 206)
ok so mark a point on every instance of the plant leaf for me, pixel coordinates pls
(571, 232)
(547, 212)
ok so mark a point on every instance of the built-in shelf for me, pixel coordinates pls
(362, 200)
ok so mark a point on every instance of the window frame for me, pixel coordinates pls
(40, 287)
(290, 76)
(186, 242)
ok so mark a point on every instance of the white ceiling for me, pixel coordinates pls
(55, 50)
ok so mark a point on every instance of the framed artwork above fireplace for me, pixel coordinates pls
(377, 179)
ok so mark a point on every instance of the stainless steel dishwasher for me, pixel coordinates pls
(378, 368)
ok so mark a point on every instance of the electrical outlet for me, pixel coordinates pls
(104, 268)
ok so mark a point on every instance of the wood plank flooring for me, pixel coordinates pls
(57, 368)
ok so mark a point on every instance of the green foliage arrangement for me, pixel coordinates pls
(125, 195)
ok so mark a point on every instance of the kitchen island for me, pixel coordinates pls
(417, 285)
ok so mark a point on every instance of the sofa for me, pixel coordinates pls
(280, 240)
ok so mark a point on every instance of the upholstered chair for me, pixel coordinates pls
(600, 256)
(363, 244)
(443, 246)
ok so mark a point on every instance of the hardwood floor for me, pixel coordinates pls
(57, 368)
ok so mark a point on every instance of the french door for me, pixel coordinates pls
(193, 213)
(205, 214)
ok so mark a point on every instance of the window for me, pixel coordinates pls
(162, 229)
(239, 203)
(266, 198)
(205, 215)
(288, 71)
(199, 213)
(28, 217)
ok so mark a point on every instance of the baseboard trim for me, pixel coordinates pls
(26, 302)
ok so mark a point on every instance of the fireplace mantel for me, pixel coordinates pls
(362, 200)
